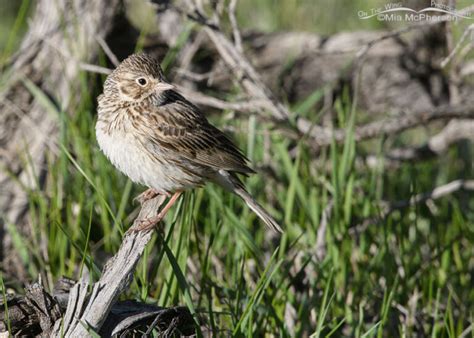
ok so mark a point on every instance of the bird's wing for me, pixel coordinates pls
(179, 127)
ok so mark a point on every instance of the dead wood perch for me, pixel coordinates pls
(117, 275)
(73, 311)
(36, 313)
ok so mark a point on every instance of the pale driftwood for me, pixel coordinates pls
(61, 35)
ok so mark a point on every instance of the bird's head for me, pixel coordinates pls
(137, 77)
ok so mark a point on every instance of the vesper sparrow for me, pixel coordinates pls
(159, 139)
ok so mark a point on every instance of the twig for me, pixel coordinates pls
(455, 131)
(320, 250)
(467, 331)
(235, 27)
(183, 72)
(401, 123)
(365, 49)
(248, 106)
(434, 194)
(249, 78)
(187, 53)
(94, 68)
(455, 50)
(237, 62)
(112, 57)
(467, 49)
(323, 136)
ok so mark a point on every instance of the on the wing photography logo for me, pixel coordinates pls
(395, 11)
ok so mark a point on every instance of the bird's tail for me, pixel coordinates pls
(231, 182)
(258, 209)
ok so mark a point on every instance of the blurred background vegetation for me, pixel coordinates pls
(320, 16)
(408, 274)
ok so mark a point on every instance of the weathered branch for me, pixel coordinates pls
(115, 279)
(454, 131)
(436, 193)
(394, 125)
(457, 48)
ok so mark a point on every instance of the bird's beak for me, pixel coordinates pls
(162, 86)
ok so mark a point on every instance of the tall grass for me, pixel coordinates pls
(407, 274)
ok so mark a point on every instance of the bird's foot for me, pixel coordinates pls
(147, 223)
(146, 196)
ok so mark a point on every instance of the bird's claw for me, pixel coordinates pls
(146, 196)
(146, 224)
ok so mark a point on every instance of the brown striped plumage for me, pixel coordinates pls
(159, 139)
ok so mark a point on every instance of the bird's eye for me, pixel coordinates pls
(141, 81)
